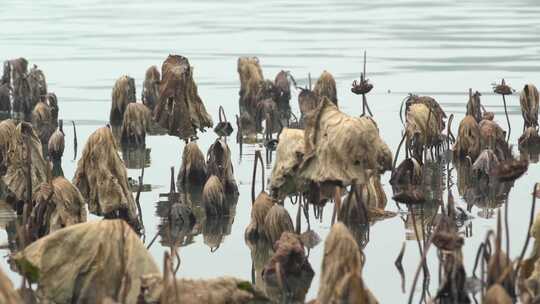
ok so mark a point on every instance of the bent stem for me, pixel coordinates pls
(531, 220)
(397, 151)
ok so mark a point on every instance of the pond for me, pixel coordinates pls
(436, 48)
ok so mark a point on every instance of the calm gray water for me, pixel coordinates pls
(440, 48)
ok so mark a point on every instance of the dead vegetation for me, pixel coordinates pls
(42, 121)
(7, 130)
(492, 137)
(213, 197)
(251, 78)
(15, 73)
(105, 259)
(193, 171)
(24, 158)
(102, 179)
(348, 149)
(325, 87)
(474, 106)
(289, 156)
(221, 290)
(262, 205)
(468, 140)
(123, 93)
(8, 294)
(5, 100)
(150, 93)
(218, 163)
(528, 101)
(38, 85)
(287, 275)
(57, 204)
(282, 95)
(342, 266)
(180, 110)
(56, 144)
(276, 222)
(136, 122)
(307, 101)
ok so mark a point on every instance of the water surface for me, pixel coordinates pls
(440, 48)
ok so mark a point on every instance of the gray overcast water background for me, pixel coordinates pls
(440, 48)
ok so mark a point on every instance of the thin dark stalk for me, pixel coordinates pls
(421, 264)
(531, 220)
(399, 265)
(507, 119)
(299, 218)
(397, 151)
(74, 140)
(137, 200)
(258, 158)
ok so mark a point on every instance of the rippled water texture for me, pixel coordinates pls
(440, 48)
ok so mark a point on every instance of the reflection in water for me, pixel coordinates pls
(481, 190)
(136, 157)
(215, 228)
(532, 153)
(177, 226)
(282, 274)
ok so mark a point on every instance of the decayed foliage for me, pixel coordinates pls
(8, 294)
(486, 162)
(528, 101)
(22, 97)
(86, 262)
(267, 111)
(341, 148)
(422, 127)
(57, 204)
(136, 122)
(123, 93)
(251, 78)
(277, 221)
(326, 87)
(193, 168)
(56, 145)
(496, 294)
(150, 93)
(5, 101)
(282, 94)
(180, 110)
(42, 121)
(474, 107)
(24, 141)
(262, 205)
(222, 290)
(38, 85)
(493, 137)
(408, 173)
(289, 156)
(218, 163)
(216, 228)
(52, 102)
(307, 101)
(102, 178)
(342, 266)
(287, 275)
(7, 129)
(529, 138)
(213, 197)
(432, 104)
(468, 140)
